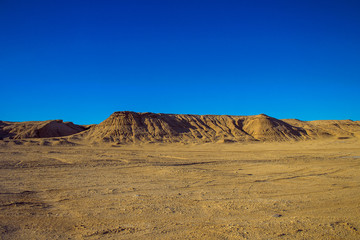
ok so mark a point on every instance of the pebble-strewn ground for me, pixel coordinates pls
(304, 190)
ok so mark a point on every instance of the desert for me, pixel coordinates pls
(178, 176)
(179, 120)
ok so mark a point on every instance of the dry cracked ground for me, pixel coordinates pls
(297, 190)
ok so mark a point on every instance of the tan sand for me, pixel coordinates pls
(288, 190)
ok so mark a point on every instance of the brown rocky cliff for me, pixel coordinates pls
(151, 127)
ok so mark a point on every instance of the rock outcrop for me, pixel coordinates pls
(132, 127)
(38, 129)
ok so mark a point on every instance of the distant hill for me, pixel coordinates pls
(132, 127)
(38, 129)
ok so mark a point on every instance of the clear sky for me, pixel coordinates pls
(82, 60)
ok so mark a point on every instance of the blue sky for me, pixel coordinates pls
(82, 60)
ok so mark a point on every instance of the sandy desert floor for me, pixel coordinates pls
(304, 190)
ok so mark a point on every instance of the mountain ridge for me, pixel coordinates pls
(133, 127)
(148, 127)
(38, 129)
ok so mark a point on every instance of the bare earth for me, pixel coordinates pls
(293, 190)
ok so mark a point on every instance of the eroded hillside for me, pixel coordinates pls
(132, 127)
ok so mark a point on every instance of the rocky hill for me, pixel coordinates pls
(132, 127)
(38, 129)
